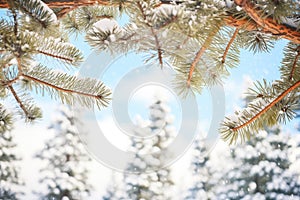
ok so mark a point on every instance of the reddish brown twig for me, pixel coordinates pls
(199, 54)
(60, 88)
(56, 56)
(295, 63)
(268, 107)
(22, 106)
(229, 44)
(157, 44)
(269, 24)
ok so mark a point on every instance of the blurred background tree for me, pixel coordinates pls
(65, 171)
(146, 177)
(203, 173)
(262, 169)
(10, 182)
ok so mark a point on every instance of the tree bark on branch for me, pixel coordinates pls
(266, 25)
(65, 3)
(269, 24)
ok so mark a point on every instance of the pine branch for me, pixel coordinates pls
(290, 64)
(295, 63)
(256, 41)
(38, 11)
(19, 66)
(157, 44)
(22, 106)
(28, 109)
(194, 63)
(12, 81)
(229, 44)
(277, 29)
(243, 23)
(56, 56)
(167, 22)
(83, 18)
(270, 105)
(5, 83)
(234, 130)
(6, 120)
(199, 54)
(69, 89)
(60, 88)
(64, 11)
(99, 17)
(15, 17)
(268, 23)
(272, 27)
(110, 39)
(62, 51)
(158, 47)
(16, 27)
(68, 3)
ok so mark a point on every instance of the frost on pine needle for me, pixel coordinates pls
(106, 25)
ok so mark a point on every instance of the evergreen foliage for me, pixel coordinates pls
(148, 175)
(262, 169)
(145, 177)
(110, 194)
(203, 179)
(65, 171)
(30, 33)
(200, 39)
(114, 192)
(10, 182)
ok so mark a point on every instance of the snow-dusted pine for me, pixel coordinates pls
(114, 190)
(202, 181)
(151, 180)
(10, 183)
(65, 161)
(261, 170)
(294, 154)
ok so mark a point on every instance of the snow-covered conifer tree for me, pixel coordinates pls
(294, 153)
(144, 177)
(261, 170)
(65, 171)
(201, 39)
(114, 190)
(10, 183)
(202, 173)
(151, 180)
(111, 193)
